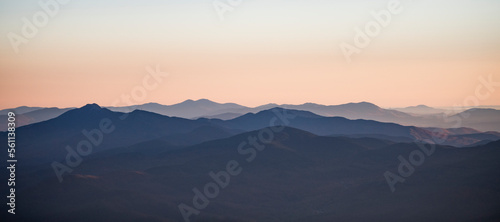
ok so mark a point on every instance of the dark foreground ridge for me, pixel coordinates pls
(298, 176)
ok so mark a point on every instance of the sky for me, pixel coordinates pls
(273, 51)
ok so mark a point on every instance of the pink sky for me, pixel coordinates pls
(277, 51)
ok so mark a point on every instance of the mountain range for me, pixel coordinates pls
(482, 119)
(270, 164)
(420, 109)
(47, 141)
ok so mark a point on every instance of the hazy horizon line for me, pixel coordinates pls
(264, 104)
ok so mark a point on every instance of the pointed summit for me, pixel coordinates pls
(366, 104)
(205, 101)
(86, 111)
(92, 106)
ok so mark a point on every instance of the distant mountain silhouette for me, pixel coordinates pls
(454, 131)
(207, 108)
(363, 110)
(421, 116)
(30, 117)
(480, 119)
(420, 109)
(47, 141)
(19, 110)
(326, 126)
(188, 109)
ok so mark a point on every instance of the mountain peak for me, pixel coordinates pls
(362, 104)
(420, 106)
(85, 112)
(367, 103)
(204, 100)
(197, 102)
(152, 103)
(92, 106)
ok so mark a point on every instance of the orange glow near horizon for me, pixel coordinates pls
(282, 52)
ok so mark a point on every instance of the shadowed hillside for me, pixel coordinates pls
(297, 177)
